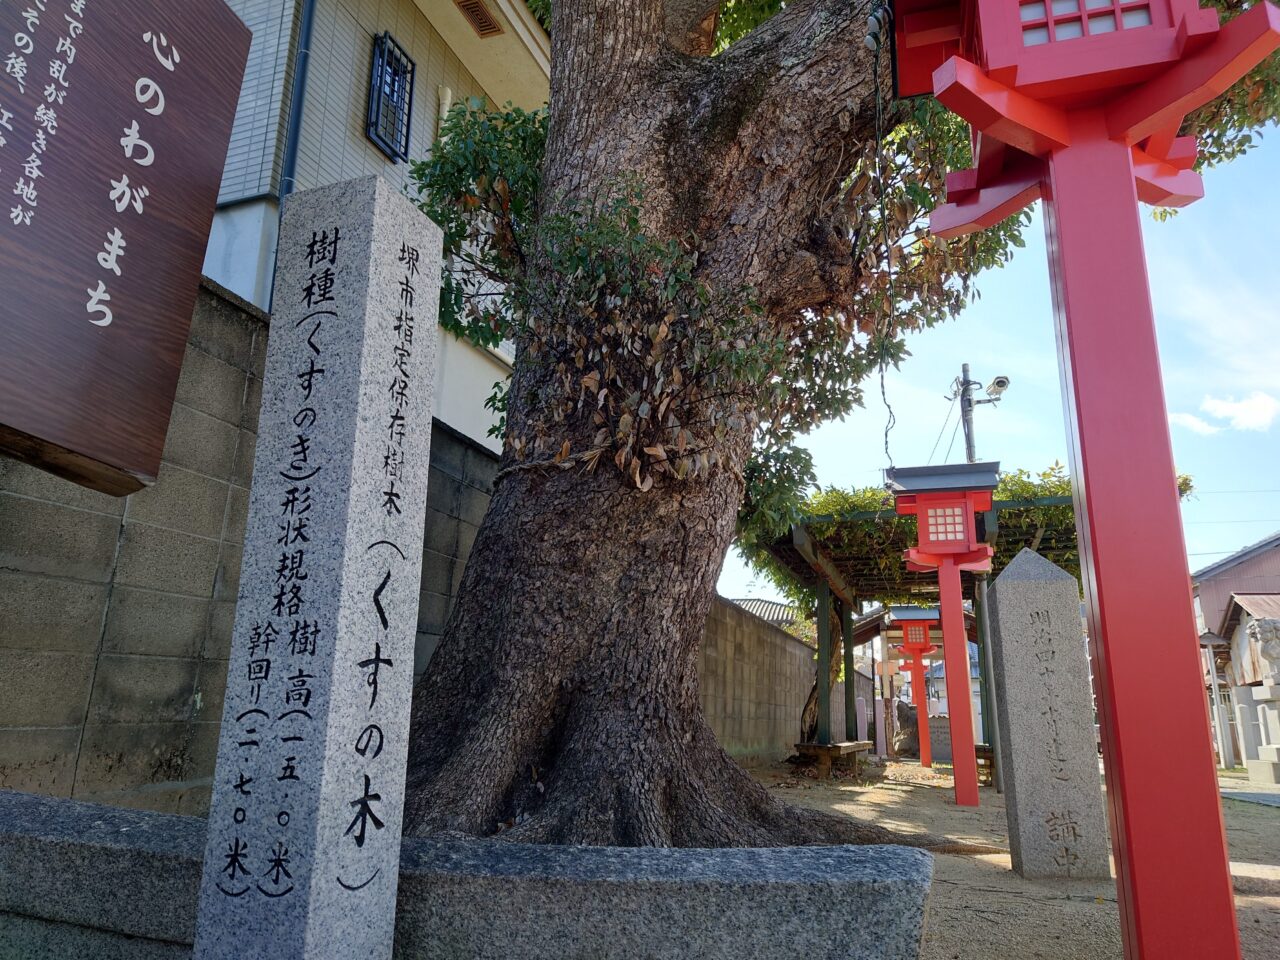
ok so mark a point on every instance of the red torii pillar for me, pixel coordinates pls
(1090, 123)
(915, 653)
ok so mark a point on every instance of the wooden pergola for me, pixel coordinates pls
(854, 559)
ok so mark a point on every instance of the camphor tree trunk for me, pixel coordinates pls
(562, 704)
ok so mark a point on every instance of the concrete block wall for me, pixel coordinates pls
(755, 679)
(459, 486)
(116, 614)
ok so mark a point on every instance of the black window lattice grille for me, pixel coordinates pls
(390, 97)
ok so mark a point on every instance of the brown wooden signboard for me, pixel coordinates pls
(114, 121)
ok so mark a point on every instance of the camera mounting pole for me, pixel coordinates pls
(966, 414)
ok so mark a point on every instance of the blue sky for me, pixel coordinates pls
(1216, 288)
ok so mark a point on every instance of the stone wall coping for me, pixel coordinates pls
(251, 310)
(886, 867)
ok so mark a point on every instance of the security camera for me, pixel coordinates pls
(997, 387)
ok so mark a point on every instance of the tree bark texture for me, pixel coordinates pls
(562, 704)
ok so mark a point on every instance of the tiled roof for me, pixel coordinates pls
(1270, 543)
(771, 611)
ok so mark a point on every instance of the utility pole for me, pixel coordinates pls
(990, 720)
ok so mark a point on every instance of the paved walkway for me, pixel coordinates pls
(1240, 788)
(979, 909)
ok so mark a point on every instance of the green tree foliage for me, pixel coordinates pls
(646, 377)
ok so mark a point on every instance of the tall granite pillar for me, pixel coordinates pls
(302, 858)
(1053, 791)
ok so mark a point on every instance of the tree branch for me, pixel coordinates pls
(790, 110)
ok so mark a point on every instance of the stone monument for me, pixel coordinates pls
(303, 850)
(861, 710)
(1053, 791)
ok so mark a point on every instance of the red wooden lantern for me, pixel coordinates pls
(916, 645)
(1081, 103)
(945, 501)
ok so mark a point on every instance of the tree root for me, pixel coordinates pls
(683, 794)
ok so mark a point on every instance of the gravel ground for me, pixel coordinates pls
(980, 910)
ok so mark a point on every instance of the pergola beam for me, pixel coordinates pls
(821, 564)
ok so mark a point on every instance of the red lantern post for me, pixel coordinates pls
(916, 645)
(1080, 102)
(945, 500)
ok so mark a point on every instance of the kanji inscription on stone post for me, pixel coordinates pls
(1053, 791)
(303, 854)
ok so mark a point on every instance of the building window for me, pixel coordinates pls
(390, 98)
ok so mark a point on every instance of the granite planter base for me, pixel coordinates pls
(79, 879)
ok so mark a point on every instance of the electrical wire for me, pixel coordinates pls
(953, 438)
(881, 11)
(946, 420)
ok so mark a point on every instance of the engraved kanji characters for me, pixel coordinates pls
(364, 814)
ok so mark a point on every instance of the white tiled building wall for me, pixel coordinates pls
(256, 152)
(333, 144)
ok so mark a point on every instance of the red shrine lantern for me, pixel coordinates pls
(1065, 50)
(1081, 103)
(946, 501)
(916, 645)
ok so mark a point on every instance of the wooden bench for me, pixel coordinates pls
(985, 755)
(828, 753)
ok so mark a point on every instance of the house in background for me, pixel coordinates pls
(1255, 569)
(1235, 599)
(1251, 628)
(310, 115)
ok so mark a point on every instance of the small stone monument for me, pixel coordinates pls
(1053, 792)
(303, 851)
(861, 711)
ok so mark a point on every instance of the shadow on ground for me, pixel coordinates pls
(981, 910)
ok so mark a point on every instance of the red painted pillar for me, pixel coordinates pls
(955, 653)
(1166, 817)
(920, 699)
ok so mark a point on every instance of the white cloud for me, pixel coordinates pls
(1193, 423)
(1256, 412)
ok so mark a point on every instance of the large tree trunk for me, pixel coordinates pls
(562, 705)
